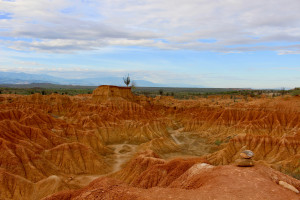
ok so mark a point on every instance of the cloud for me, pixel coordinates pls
(63, 26)
(286, 52)
(287, 68)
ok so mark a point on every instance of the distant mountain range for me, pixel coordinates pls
(24, 78)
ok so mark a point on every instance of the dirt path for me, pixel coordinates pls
(190, 143)
(122, 153)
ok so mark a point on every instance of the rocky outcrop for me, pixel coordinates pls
(76, 158)
(112, 93)
(16, 187)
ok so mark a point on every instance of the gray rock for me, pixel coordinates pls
(247, 154)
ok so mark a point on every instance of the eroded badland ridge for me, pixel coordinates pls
(115, 145)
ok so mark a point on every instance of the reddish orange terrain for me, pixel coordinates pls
(115, 145)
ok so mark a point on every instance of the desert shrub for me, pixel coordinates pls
(218, 142)
(295, 92)
(295, 175)
(161, 92)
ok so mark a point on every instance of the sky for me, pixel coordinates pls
(208, 43)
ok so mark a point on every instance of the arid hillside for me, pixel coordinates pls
(114, 145)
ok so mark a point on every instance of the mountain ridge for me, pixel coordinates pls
(26, 78)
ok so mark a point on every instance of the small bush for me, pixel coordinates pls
(218, 142)
(161, 92)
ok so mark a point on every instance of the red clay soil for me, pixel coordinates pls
(201, 181)
(47, 141)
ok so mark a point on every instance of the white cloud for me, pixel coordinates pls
(285, 52)
(62, 26)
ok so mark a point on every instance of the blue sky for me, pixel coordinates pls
(210, 43)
